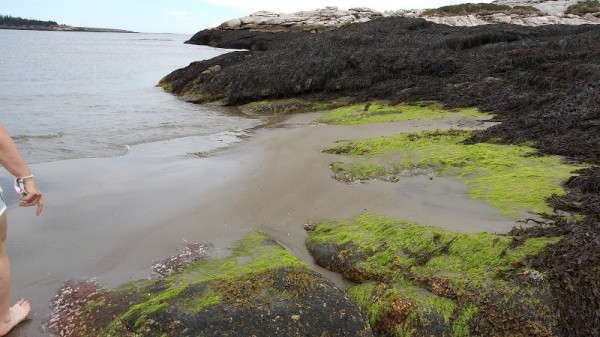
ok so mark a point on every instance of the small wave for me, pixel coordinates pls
(156, 40)
(24, 138)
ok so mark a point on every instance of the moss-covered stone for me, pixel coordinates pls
(513, 178)
(260, 289)
(421, 280)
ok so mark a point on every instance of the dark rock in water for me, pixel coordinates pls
(261, 290)
(241, 39)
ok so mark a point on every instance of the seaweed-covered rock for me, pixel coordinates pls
(257, 31)
(541, 82)
(260, 290)
(241, 39)
(420, 280)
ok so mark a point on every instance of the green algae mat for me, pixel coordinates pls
(377, 112)
(259, 287)
(418, 280)
(515, 179)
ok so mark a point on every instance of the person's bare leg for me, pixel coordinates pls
(9, 316)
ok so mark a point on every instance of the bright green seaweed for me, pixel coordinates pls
(459, 257)
(515, 179)
(416, 302)
(378, 112)
(398, 257)
(255, 254)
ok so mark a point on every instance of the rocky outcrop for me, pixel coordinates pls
(552, 7)
(550, 12)
(261, 290)
(306, 21)
(241, 38)
(462, 20)
(256, 31)
(515, 19)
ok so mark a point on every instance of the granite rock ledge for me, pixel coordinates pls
(306, 21)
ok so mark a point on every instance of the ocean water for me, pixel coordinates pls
(66, 95)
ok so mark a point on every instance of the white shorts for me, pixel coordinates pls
(2, 203)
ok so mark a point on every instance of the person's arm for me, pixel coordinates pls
(12, 161)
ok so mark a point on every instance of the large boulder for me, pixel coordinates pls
(260, 290)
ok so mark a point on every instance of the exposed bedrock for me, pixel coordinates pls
(517, 12)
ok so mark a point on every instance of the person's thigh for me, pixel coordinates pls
(3, 227)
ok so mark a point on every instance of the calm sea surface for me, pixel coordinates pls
(67, 95)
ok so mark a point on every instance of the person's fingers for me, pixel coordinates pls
(25, 203)
(32, 200)
(40, 206)
(33, 197)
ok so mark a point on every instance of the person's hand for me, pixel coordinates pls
(33, 197)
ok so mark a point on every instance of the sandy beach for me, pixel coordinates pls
(110, 218)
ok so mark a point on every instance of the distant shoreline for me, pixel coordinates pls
(65, 28)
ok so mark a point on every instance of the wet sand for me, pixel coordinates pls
(110, 218)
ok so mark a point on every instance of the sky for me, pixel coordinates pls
(181, 16)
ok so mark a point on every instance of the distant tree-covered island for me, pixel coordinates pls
(7, 20)
(11, 22)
